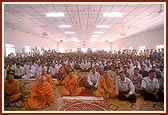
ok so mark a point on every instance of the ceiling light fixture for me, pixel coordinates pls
(74, 38)
(69, 32)
(98, 32)
(54, 14)
(103, 26)
(113, 14)
(95, 35)
(64, 26)
(93, 38)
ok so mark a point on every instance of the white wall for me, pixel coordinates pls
(149, 39)
(98, 45)
(20, 39)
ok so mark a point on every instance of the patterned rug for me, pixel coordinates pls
(86, 92)
(82, 103)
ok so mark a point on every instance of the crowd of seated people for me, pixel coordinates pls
(122, 75)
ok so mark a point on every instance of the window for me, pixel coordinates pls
(62, 50)
(107, 49)
(74, 49)
(141, 49)
(39, 50)
(159, 47)
(45, 48)
(10, 48)
(93, 49)
(130, 48)
(122, 49)
(84, 49)
(27, 49)
(117, 50)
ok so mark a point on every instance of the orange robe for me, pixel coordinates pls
(39, 96)
(106, 88)
(13, 90)
(71, 87)
(48, 78)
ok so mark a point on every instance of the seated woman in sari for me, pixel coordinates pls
(71, 85)
(12, 89)
(41, 96)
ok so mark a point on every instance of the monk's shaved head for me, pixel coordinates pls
(42, 80)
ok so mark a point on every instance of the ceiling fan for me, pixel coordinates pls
(123, 33)
(161, 9)
(45, 34)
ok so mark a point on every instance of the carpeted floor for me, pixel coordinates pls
(113, 104)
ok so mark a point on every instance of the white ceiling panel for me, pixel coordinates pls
(83, 18)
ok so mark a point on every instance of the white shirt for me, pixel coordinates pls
(40, 69)
(125, 85)
(5, 73)
(26, 67)
(58, 66)
(19, 71)
(93, 78)
(150, 85)
(53, 71)
(134, 78)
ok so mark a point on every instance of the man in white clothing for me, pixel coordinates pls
(150, 87)
(31, 72)
(93, 78)
(125, 88)
(19, 71)
(53, 70)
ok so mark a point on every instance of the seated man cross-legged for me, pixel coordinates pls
(126, 88)
(150, 87)
(71, 85)
(12, 89)
(41, 96)
(105, 87)
(92, 79)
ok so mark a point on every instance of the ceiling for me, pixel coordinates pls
(83, 19)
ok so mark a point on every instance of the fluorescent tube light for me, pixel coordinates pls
(54, 14)
(103, 26)
(95, 35)
(93, 38)
(69, 32)
(74, 38)
(98, 32)
(64, 26)
(113, 14)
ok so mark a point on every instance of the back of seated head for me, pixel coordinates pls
(18, 63)
(71, 70)
(143, 65)
(106, 69)
(8, 76)
(152, 71)
(153, 67)
(117, 67)
(121, 72)
(136, 68)
(125, 66)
